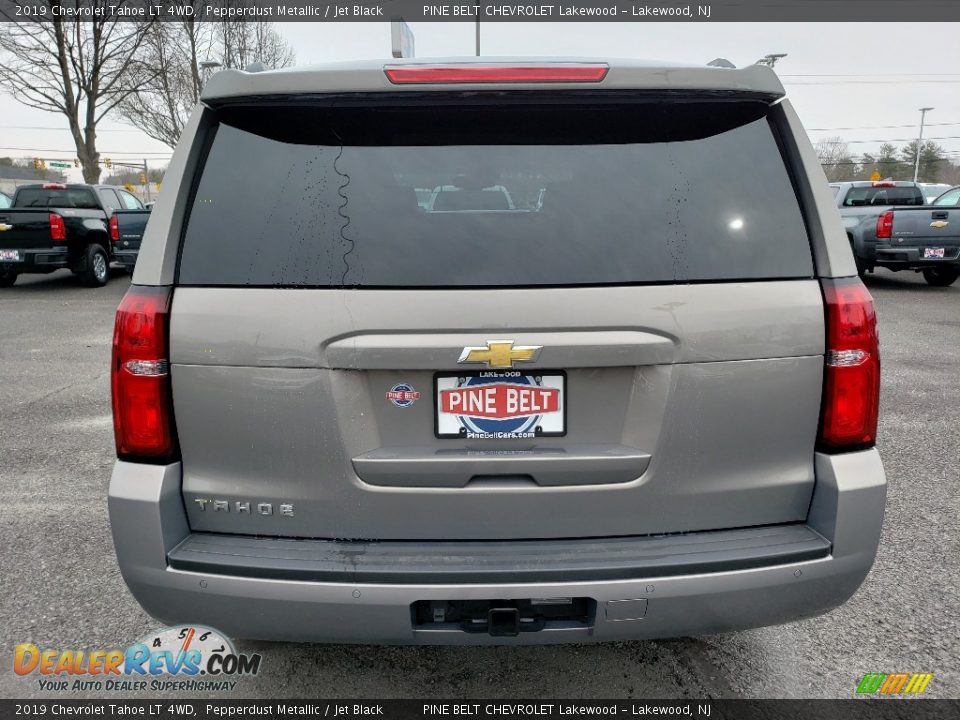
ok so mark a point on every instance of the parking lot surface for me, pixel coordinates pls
(61, 587)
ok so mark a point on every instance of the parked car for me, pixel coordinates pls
(862, 202)
(644, 407)
(4, 201)
(84, 228)
(931, 191)
(923, 239)
(949, 198)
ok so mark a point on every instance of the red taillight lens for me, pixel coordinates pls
(142, 411)
(58, 231)
(444, 74)
(885, 225)
(114, 226)
(851, 391)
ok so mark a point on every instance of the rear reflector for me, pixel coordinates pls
(851, 390)
(884, 183)
(885, 225)
(58, 231)
(445, 74)
(54, 186)
(114, 225)
(142, 410)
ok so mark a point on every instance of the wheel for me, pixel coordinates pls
(7, 278)
(941, 276)
(96, 268)
(862, 269)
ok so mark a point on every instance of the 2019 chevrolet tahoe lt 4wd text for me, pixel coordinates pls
(637, 400)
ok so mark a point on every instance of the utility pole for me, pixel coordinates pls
(916, 164)
(478, 33)
(146, 176)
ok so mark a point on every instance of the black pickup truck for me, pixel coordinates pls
(80, 227)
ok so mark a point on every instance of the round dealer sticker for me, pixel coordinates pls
(402, 395)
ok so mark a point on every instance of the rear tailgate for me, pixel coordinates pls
(130, 226)
(333, 340)
(24, 229)
(933, 231)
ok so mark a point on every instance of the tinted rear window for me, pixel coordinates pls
(862, 196)
(502, 196)
(80, 198)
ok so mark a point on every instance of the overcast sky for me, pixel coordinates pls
(838, 75)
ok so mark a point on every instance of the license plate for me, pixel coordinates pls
(500, 405)
(9, 256)
(933, 252)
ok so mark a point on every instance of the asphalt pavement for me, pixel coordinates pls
(61, 587)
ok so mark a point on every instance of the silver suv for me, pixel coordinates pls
(638, 400)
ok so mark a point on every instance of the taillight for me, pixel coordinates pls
(885, 225)
(140, 376)
(470, 73)
(851, 390)
(114, 226)
(58, 231)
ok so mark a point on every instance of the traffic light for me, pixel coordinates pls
(108, 163)
(76, 162)
(143, 178)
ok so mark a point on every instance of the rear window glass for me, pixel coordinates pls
(79, 198)
(506, 196)
(861, 196)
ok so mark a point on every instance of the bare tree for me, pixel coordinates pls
(82, 69)
(835, 158)
(177, 49)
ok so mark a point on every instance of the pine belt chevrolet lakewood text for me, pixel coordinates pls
(495, 352)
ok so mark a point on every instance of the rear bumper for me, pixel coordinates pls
(38, 260)
(301, 596)
(126, 258)
(901, 258)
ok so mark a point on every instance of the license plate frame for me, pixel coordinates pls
(469, 427)
(934, 253)
(10, 256)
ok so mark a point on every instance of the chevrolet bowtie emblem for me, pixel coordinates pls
(4, 227)
(500, 354)
(939, 224)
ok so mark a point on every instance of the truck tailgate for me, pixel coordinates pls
(24, 229)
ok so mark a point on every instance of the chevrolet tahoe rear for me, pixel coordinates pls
(639, 399)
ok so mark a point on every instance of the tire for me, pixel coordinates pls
(7, 279)
(941, 276)
(96, 266)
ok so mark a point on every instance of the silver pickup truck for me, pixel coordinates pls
(889, 226)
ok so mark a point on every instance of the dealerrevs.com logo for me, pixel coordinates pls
(182, 658)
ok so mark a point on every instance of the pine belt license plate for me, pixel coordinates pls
(933, 252)
(500, 404)
(9, 256)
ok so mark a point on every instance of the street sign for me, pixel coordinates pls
(401, 37)
(58, 164)
(875, 175)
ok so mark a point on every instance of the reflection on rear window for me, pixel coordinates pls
(572, 204)
(860, 196)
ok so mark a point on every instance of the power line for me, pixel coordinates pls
(860, 75)
(881, 127)
(63, 129)
(874, 82)
(132, 153)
